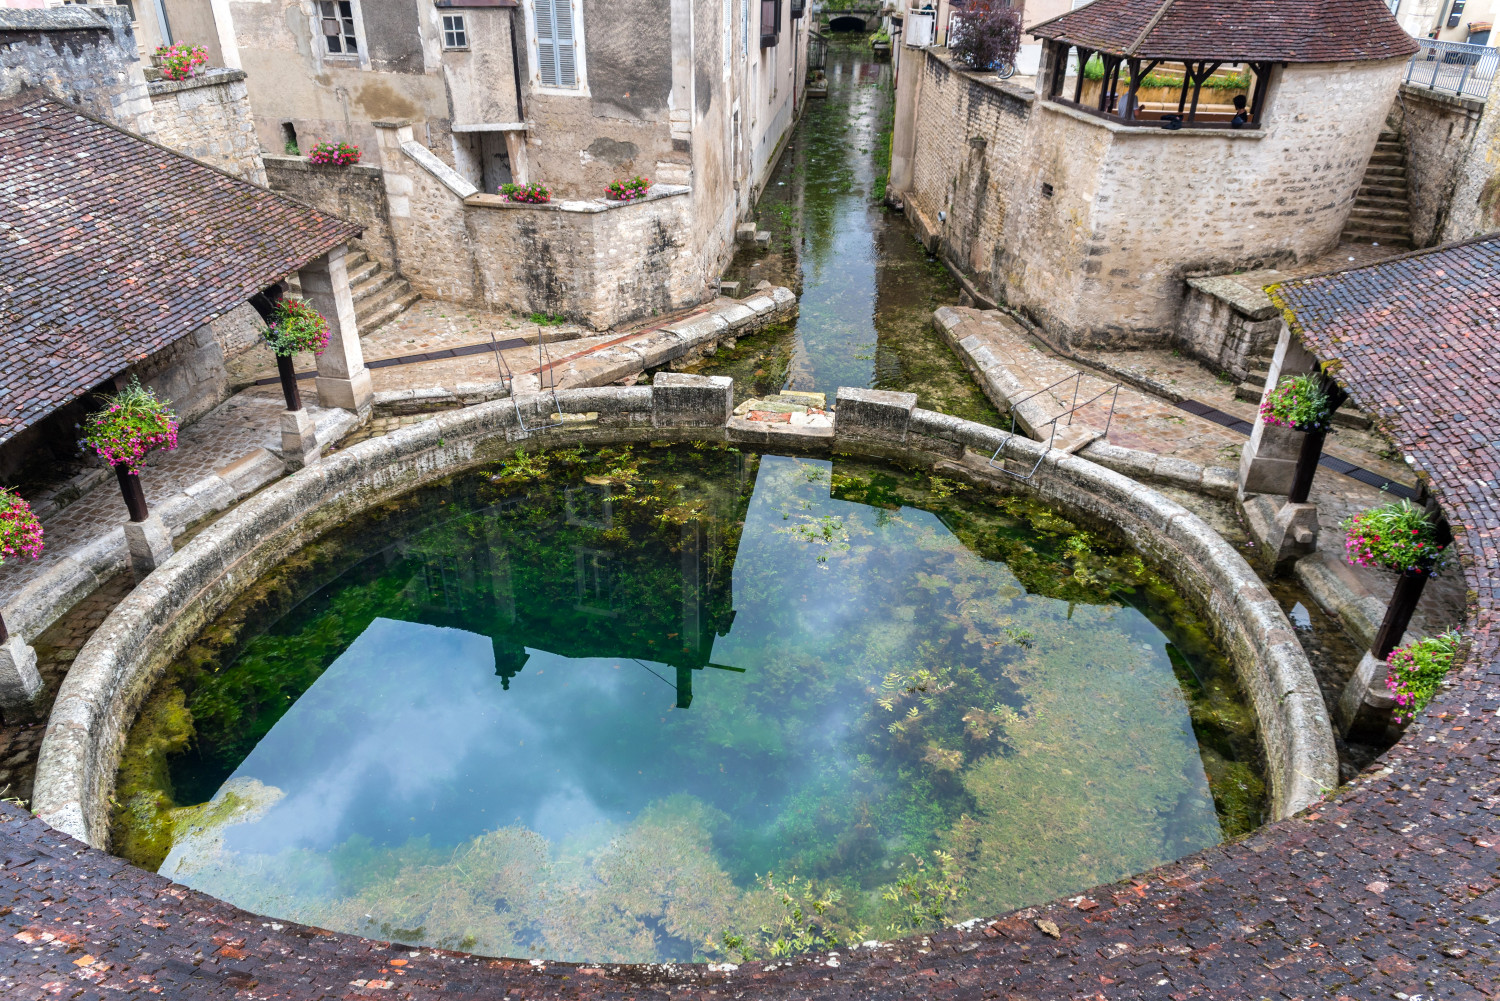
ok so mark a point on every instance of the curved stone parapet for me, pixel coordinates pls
(121, 662)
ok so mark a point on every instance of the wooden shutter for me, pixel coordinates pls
(556, 53)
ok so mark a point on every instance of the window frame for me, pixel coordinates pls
(533, 54)
(356, 19)
(458, 30)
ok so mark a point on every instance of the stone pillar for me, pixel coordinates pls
(343, 381)
(515, 148)
(1268, 463)
(20, 684)
(1365, 704)
(875, 416)
(299, 443)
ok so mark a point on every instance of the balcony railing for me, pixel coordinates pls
(1453, 68)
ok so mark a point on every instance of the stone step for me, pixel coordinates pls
(1389, 136)
(1250, 391)
(1377, 214)
(1384, 203)
(1356, 235)
(385, 314)
(1377, 228)
(354, 259)
(361, 271)
(1396, 159)
(372, 285)
(1390, 146)
(1375, 170)
(388, 293)
(1392, 192)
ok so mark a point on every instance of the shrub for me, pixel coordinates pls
(1416, 672)
(1397, 536)
(132, 424)
(295, 326)
(534, 194)
(334, 154)
(1299, 402)
(20, 531)
(984, 39)
(629, 190)
(180, 60)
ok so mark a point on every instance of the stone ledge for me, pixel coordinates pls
(208, 78)
(301, 163)
(1252, 303)
(656, 194)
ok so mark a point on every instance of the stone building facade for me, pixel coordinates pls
(84, 55)
(1453, 163)
(1091, 223)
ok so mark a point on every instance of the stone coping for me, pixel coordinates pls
(1249, 302)
(283, 162)
(207, 78)
(655, 194)
(121, 662)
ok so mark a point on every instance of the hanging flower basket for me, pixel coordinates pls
(334, 154)
(20, 531)
(534, 194)
(132, 424)
(295, 328)
(1397, 536)
(1299, 402)
(628, 190)
(180, 60)
(1416, 672)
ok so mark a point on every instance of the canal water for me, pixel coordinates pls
(866, 287)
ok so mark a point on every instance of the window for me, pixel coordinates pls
(744, 27)
(556, 48)
(728, 33)
(770, 22)
(455, 34)
(337, 18)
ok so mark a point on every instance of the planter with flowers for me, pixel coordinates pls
(179, 61)
(132, 425)
(1300, 403)
(1398, 536)
(20, 535)
(330, 154)
(1416, 671)
(531, 194)
(628, 190)
(295, 328)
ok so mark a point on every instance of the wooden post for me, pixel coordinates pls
(1399, 612)
(1083, 61)
(1198, 80)
(1187, 76)
(1262, 85)
(289, 388)
(135, 497)
(1312, 446)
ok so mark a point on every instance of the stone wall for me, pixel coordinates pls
(119, 665)
(355, 193)
(85, 55)
(1227, 324)
(209, 119)
(1439, 132)
(191, 371)
(1092, 226)
(1475, 207)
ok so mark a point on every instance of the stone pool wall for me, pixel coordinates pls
(120, 664)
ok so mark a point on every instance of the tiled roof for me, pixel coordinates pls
(112, 247)
(1420, 327)
(1296, 31)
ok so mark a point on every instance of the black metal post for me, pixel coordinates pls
(135, 497)
(289, 382)
(1399, 612)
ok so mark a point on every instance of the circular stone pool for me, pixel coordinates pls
(647, 704)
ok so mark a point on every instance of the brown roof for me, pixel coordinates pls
(1294, 31)
(1417, 328)
(112, 247)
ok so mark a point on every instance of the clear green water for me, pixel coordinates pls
(687, 703)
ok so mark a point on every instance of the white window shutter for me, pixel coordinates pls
(546, 43)
(567, 66)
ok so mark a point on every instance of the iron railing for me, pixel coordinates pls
(1453, 68)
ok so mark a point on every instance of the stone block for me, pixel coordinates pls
(299, 442)
(20, 684)
(745, 232)
(682, 400)
(1365, 705)
(148, 544)
(873, 414)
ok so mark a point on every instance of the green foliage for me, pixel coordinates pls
(1300, 401)
(925, 898)
(1416, 672)
(1396, 536)
(547, 319)
(1094, 70)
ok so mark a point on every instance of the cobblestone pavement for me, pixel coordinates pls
(236, 432)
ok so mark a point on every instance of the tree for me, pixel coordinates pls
(986, 39)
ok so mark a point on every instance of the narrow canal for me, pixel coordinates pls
(867, 288)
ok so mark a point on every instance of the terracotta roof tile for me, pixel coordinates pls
(1296, 31)
(112, 247)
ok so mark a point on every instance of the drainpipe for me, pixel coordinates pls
(515, 64)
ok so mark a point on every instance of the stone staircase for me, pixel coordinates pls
(379, 295)
(1382, 210)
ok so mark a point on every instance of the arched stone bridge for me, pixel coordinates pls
(862, 19)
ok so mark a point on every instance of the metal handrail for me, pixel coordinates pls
(1453, 68)
(1113, 389)
(508, 379)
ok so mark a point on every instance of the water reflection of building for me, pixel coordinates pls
(577, 573)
